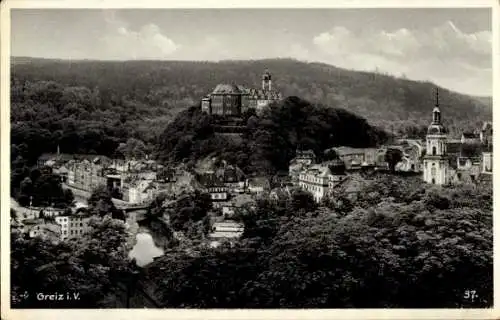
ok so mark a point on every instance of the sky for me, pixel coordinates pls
(450, 47)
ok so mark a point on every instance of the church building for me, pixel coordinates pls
(446, 162)
(436, 163)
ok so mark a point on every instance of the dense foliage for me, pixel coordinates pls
(100, 203)
(122, 108)
(39, 188)
(401, 247)
(270, 139)
(169, 84)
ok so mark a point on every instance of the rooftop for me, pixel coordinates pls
(470, 135)
(226, 89)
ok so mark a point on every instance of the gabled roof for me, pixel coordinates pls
(224, 88)
(259, 182)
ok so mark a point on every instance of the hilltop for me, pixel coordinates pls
(176, 85)
(270, 139)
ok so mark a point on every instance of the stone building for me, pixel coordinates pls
(232, 100)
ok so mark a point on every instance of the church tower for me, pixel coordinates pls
(266, 81)
(436, 164)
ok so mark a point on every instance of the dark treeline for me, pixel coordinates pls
(176, 85)
(400, 245)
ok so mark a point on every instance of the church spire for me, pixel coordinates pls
(436, 113)
(437, 97)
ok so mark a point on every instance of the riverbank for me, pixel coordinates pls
(145, 250)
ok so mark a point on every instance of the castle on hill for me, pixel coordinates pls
(233, 100)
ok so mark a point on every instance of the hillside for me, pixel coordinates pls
(269, 140)
(179, 84)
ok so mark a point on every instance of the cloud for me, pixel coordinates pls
(212, 48)
(120, 42)
(444, 54)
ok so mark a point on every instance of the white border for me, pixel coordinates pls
(6, 5)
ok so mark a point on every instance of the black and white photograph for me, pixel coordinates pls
(249, 158)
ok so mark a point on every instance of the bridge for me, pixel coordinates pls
(131, 207)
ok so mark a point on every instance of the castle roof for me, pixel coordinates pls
(226, 89)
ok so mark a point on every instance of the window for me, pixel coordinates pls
(459, 176)
(433, 151)
(433, 181)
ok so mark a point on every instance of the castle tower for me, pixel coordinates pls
(266, 81)
(436, 164)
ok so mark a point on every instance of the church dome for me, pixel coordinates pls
(226, 89)
(266, 75)
(436, 126)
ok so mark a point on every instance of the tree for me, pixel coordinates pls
(93, 267)
(101, 203)
(303, 201)
(393, 157)
(132, 149)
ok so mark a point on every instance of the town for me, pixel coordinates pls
(136, 183)
(249, 158)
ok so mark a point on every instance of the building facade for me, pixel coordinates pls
(72, 226)
(316, 180)
(232, 100)
(487, 163)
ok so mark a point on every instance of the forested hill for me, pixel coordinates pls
(269, 140)
(177, 85)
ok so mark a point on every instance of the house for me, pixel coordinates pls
(62, 172)
(87, 175)
(229, 208)
(51, 212)
(225, 231)
(46, 231)
(487, 162)
(351, 185)
(486, 133)
(281, 193)
(166, 175)
(315, 180)
(307, 157)
(218, 193)
(354, 158)
(73, 226)
(470, 137)
(302, 160)
(410, 156)
(258, 185)
(142, 191)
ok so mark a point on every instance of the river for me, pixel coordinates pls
(144, 250)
